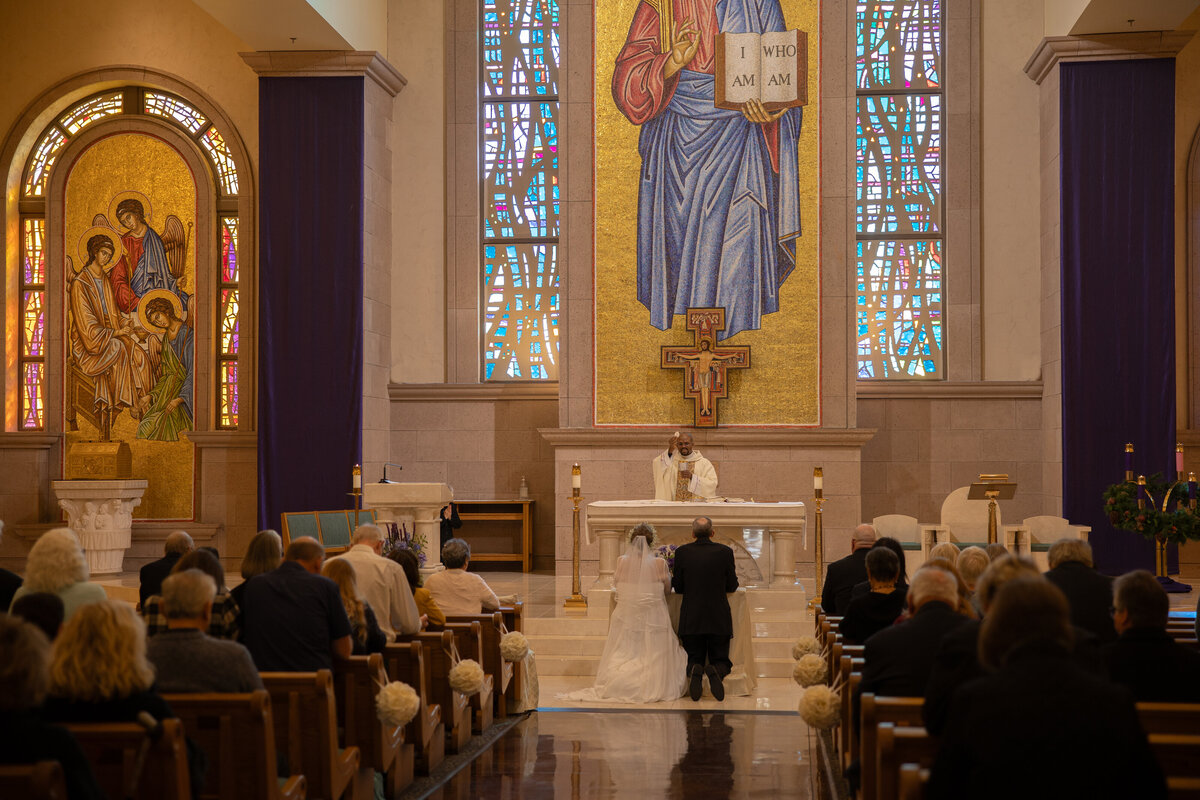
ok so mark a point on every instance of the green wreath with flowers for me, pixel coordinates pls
(1151, 522)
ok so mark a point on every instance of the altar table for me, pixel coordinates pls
(607, 521)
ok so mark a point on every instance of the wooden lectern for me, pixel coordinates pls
(992, 488)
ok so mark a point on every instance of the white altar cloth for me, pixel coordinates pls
(606, 522)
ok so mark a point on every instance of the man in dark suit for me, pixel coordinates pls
(704, 574)
(844, 573)
(1144, 657)
(178, 545)
(1089, 593)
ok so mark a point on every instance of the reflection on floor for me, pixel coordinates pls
(644, 754)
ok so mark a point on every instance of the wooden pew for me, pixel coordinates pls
(112, 747)
(468, 638)
(456, 715)
(237, 733)
(851, 678)
(1177, 754)
(356, 682)
(1181, 718)
(406, 662)
(492, 630)
(897, 746)
(514, 620)
(905, 711)
(306, 732)
(41, 781)
(913, 779)
(1183, 788)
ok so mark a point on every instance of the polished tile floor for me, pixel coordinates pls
(645, 754)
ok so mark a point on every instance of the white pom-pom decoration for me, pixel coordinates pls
(514, 646)
(397, 704)
(821, 707)
(466, 676)
(810, 670)
(804, 646)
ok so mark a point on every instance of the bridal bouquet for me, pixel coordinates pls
(667, 553)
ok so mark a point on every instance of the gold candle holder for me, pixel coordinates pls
(818, 536)
(576, 602)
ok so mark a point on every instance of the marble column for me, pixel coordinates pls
(101, 514)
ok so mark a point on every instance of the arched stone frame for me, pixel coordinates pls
(17, 147)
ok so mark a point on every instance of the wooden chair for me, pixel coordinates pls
(456, 715)
(112, 750)
(237, 732)
(1181, 718)
(41, 781)
(873, 711)
(492, 629)
(468, 638)
(406, 662)
(306, 732)
(900, 745)
(356, 682)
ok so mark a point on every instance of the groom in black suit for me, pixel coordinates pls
(703, 574)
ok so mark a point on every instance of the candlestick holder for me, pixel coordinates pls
(818, 537)
(356, 490)
(576, 602)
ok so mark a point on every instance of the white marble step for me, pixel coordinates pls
(570, 646)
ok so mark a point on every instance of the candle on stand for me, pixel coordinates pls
(576, 480)
(818, 481)
(1141, 491)
(1129, 461)
(356, 483)
(1191, 486)
(1178, 460)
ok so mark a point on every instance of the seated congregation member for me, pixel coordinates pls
(971, 563)
(9, 582)
(294, 620)
(42, 609)
(898, 659)
(427, 607)
(1039, 725)
(1089, 594)
(177, 545)
(964, 606)
(24, 737)
(862, 587)
(263, 554)
(56, 565)
(457, 591)
(99, 673)
(365, 635)
(185, 657)
(843, 574)
(995, 550)
(878, 608)
(946, 550)
(382, 583)
(1144, 658)
(225, 614)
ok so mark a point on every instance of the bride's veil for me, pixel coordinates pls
(638, 572)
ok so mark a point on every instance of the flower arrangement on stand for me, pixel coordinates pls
(667, 553)
(399, 538)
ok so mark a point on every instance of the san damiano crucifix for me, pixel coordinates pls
(705, 365)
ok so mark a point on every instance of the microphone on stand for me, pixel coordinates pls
(384, 479)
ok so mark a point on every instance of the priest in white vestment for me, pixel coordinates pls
(681, 473)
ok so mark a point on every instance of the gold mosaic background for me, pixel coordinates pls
(783, 386)
(144, 164)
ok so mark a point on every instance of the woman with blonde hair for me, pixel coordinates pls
(365, 635)
(56, 565)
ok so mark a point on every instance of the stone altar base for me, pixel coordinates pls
(101, 514)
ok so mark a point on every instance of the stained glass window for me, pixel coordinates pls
(32, 406)
(900, 212)
(227, 351)
(128, 100)
(519, 139)
(165, 105)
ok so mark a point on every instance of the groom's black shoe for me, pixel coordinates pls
(714, 682)
(696, 686)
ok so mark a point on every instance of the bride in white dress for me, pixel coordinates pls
(643, 661)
